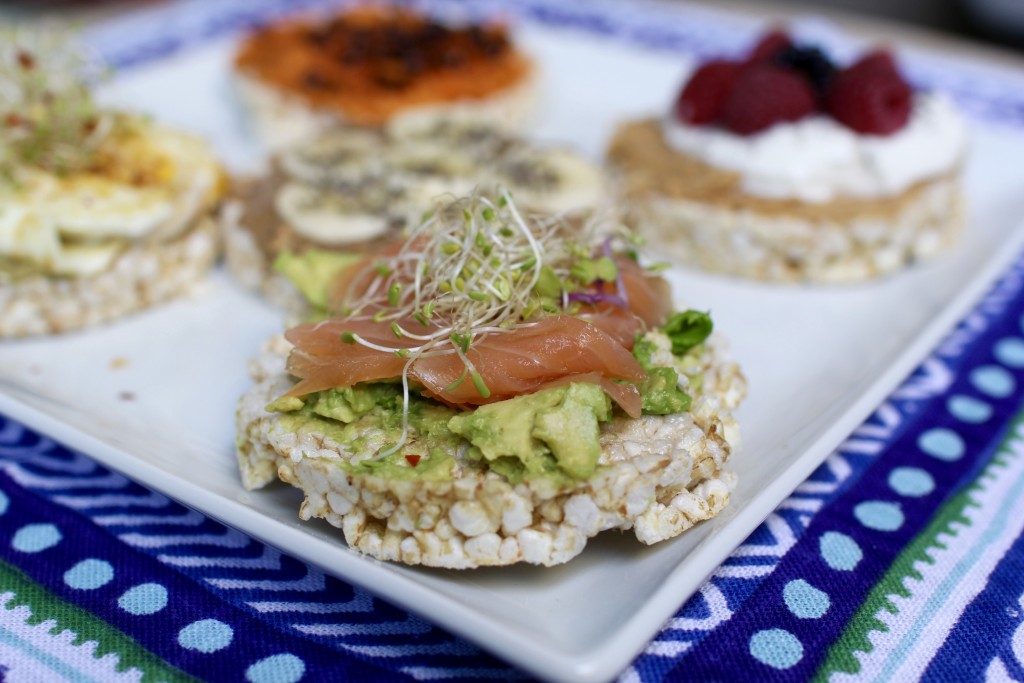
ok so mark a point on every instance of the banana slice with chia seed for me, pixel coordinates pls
(469, 134)
(327, 218)
(550, 180)
(430, 159)
(346, 156)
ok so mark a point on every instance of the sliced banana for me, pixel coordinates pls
(422, 193)
(551, 180)
(325, 218)
(430, 159)
(424, 123)
(470, 133)
(347, 155)
(83, 260)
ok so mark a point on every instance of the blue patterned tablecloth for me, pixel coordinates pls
(900, 558)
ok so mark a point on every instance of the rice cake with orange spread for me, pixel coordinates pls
(369, 65)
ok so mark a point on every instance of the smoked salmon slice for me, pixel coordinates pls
(593, 346)
(519, 361)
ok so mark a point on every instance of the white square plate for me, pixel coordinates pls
(154, 396)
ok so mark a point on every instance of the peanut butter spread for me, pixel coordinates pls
(371, 62)
(651, 168)
(272, 233)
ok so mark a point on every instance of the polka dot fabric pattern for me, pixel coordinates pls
(162, 589)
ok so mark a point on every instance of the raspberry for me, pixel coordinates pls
(702, 98)
(770, 44)
(877, 60)
(870, 96)
(763, 95)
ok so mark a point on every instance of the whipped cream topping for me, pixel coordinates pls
(818, 159)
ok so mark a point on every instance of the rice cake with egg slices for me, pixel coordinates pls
(103, 212)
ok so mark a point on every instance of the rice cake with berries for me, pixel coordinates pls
(372, 65)
(444, 426)
(784, 167)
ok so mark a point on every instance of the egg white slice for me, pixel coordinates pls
(24, 234)
(83, 260)
(92, 207)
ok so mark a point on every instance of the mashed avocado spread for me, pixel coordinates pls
(553, 432)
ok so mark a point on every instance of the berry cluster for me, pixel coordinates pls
(780, 82)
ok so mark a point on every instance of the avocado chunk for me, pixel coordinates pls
(660, 393)
(559, 424)
(313, 271)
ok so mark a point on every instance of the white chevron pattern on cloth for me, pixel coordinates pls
(270, 559)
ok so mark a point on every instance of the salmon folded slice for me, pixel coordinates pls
(512, 363)
(594, 346)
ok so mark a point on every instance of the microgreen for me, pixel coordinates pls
(473, 269)
(48, 117)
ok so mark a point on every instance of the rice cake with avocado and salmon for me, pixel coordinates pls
(494, 390)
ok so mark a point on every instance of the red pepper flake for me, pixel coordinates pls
(26, 60)
(413, 459)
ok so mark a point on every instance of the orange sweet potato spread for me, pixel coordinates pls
(372, 62)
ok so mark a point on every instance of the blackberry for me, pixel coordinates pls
(811, 63)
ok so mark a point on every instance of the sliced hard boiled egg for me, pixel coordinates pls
(94, 207)
(25, 234)
(83, 260)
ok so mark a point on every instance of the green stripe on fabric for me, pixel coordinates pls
(45, 605)
(841, 656)
(854, 639)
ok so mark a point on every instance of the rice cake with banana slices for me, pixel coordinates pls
(350, 192)
(102, 213)
(551, 393)
(373, 65)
